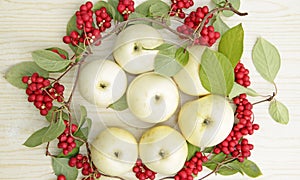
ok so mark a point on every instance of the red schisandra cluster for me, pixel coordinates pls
(66, 141)
(87, 32)
(125, 7)
(42, 93)
(82, 162)
(191, 167)
(142, 172)
(235, 143)
(177, 7)
(208, 36)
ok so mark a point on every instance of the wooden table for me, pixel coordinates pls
(29, 25)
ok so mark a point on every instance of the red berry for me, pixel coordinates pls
(61, 177)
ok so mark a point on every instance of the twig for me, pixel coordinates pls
(265, 100)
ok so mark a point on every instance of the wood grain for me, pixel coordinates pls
(29, 25)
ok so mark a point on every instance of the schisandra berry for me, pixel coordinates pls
(103, 19)
(41, 93)
(242, 75)
(142, 172)
(192, 167)
(177, 7)
(125, 7)
(65, 141)
(61, 177)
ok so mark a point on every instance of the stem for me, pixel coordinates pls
(48, 152)
(270, 98)
(230, 8)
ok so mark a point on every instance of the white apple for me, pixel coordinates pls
(187, 78)
(163, 150)
(114, 151)
(152, 97)
(102, 82)
(133, 49)
(206, 121)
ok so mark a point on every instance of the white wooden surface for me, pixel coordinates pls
(28, 25)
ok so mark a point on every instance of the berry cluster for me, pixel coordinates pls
(177, 7)
(142, 172)
(103, 19)
(242, 75)
(191, 167)
(208, 35)
(125, 7)
(235, 143)
(84, 21)
(61, 55)
(82, 162)
(66, 141)
(42, 93)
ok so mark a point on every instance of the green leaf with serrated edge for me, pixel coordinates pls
(60, 51)
(144, 7)
(232, 44)
(159, 9)
(250, 168)
(49, 60)
(238, 89)
(83, 116)
(191, 150)
(226, 170)
(279, 112)
(120, 104)
(220, 26)
(36, 138)
(114, 4)
(15, 73)
(109, 8)
(61, 166)
(236, 5)
(216, 73)
(54, 113)
(182, 56)
(54, 130)
(74, 152)
(266, 59)
(166, 65)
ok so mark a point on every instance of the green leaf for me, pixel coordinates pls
(279, 112)
(208, 149)
(250, 168)
(166, 47)
(159, 9)
(182, 56)
(166, 65)
(216, 73)
(15, 73)
(54, 131)
(144, 7)
(117, 16)
(74, 152)
(227, 170)
(266, 59)
(82, 134)
(89, 124)
(236, 4)
(54, 112)
(60, 51)
(49, 60)
(218, 158)
(220, 26)
(119, 105)
(61, 166)
(36, 138)
(136, 15)
(191, 150)
(232, 44)
(238, 89)
(83, 116)
(219, 2)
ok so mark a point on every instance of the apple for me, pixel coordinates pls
(114, 151)
(102, 82)
(163, 150)
(207, 121)
(152, 97)
(133, 49)
(187, 78)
